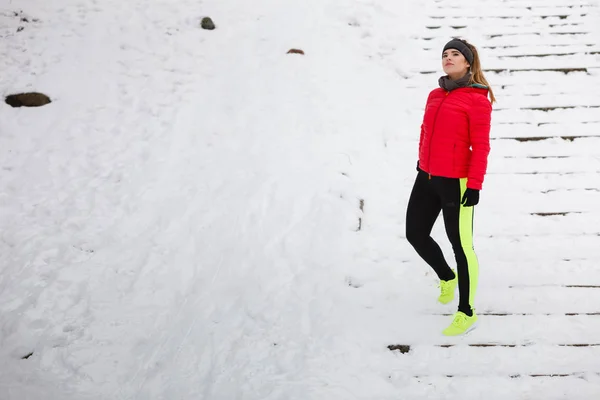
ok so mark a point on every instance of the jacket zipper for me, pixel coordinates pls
(433, 131)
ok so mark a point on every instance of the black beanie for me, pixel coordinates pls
(462, 47)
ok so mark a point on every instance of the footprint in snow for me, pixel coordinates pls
(352, 282)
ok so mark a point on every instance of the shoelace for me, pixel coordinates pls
(445, 286)
(459, 319)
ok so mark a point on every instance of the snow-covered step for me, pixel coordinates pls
(500, 22)
(528, 224)
(574, 387)
(545, 39)
(530, 301)
(525, 249)
(540, 4)
(536, 273)
(552, 53)
(545, 28)
(526, 61)
(439, 32)
(563, 184)
(557, 115)
(483, 12)
(533, 183)
(543, 164)
(492, 361)
(511, 329)
(556, 206)
(526, 132)
(522, 75)
(529, 103)
(541, 158)
(536, 49)
(571, 4)
(539, 29)
(547, 103)
(525, 6)
(537, 150)
(570, 84)
(572, 37)
(566, 130)
(529, 85)
(536, 300)
(550, 62)
(540, 224)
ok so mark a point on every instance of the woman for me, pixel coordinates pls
(453, 152)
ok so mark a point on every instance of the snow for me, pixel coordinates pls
(184, 220)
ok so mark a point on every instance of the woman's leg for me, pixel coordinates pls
(458, 221)
(424, 207)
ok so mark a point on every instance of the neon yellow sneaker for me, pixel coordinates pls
(447, 290)
(461, 324)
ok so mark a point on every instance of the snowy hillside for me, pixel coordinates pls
(198, 214)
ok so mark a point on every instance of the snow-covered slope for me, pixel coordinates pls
(200, 215)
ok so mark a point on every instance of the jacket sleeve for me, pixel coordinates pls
(423, 123)
(480, 116)
(420, 141)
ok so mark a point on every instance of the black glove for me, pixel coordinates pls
(470, 198)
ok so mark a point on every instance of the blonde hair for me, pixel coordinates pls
(476, 71)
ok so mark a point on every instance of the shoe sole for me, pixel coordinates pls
(472, 327)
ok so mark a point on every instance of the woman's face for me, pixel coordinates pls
(454, 63)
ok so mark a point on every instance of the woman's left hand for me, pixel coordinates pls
(470, 198)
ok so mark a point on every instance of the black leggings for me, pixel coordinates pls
(429, 196)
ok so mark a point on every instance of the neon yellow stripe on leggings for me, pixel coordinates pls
(465, 229)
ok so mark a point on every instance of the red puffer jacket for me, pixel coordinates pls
(455, 134)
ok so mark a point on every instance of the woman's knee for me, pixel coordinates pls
(415, 236)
